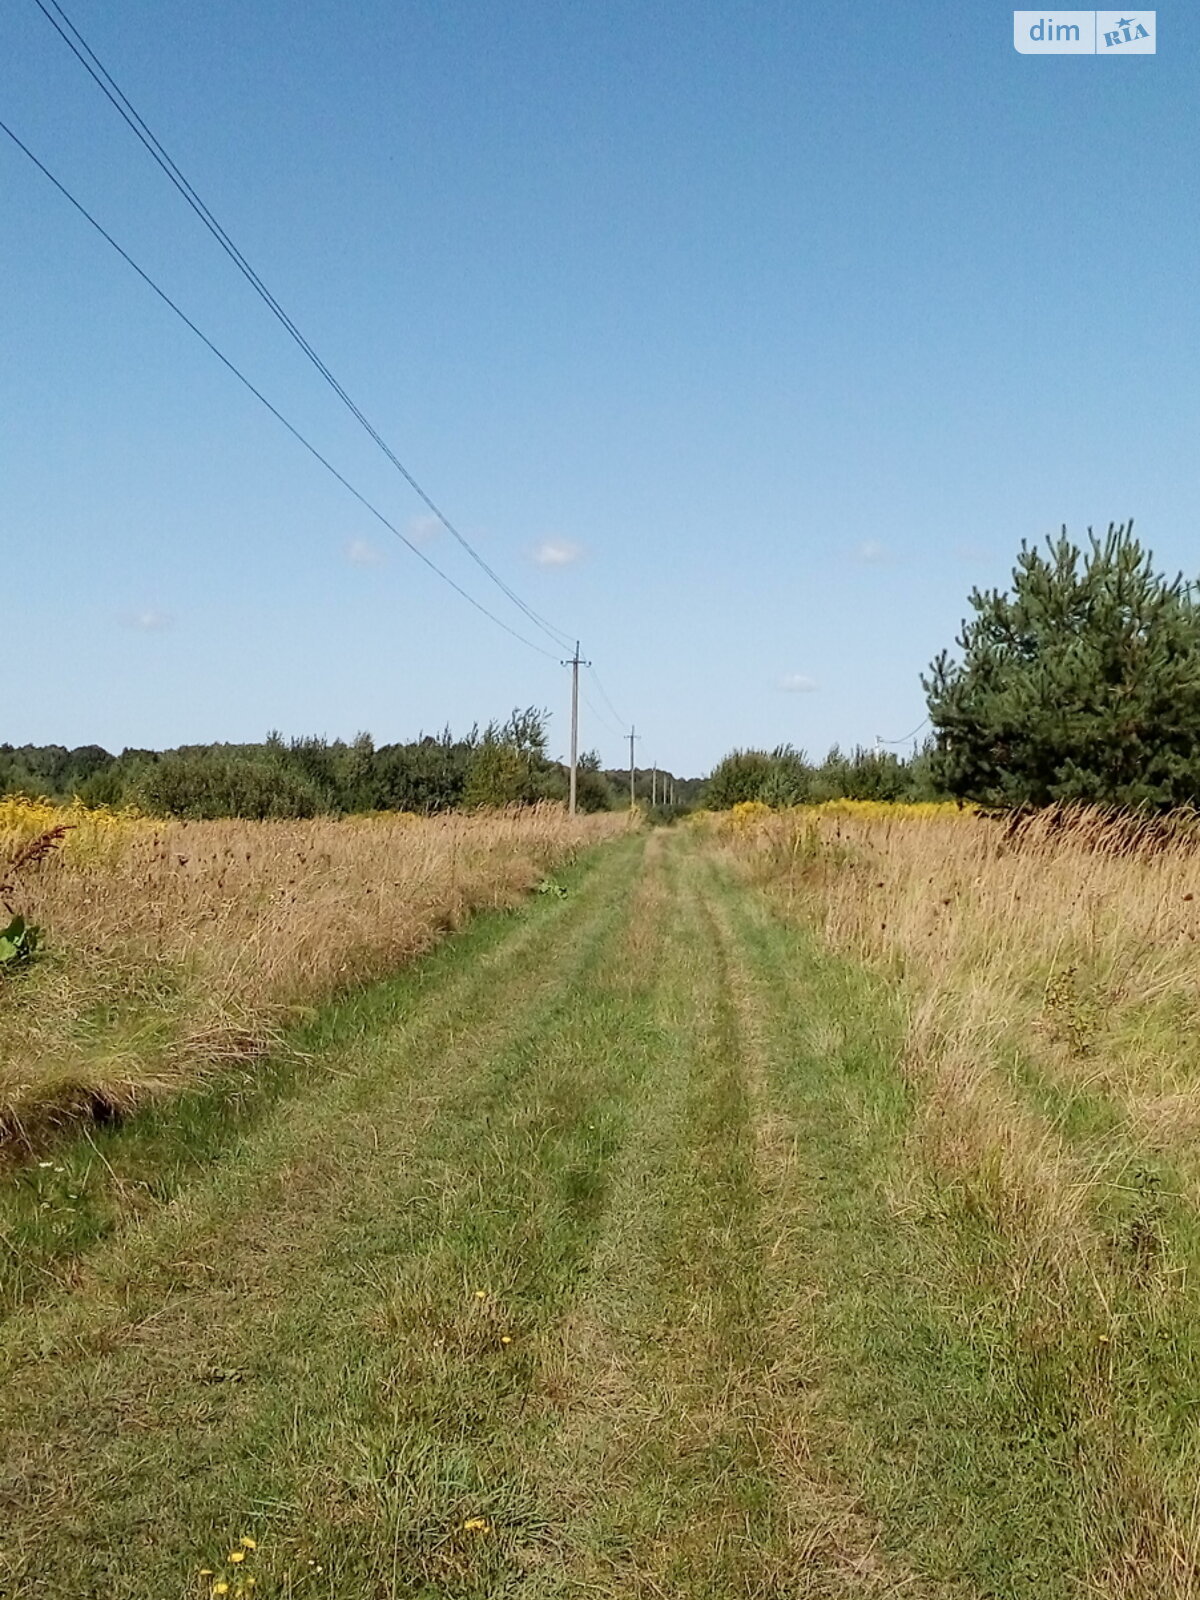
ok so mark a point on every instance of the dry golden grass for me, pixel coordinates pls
(1066, 938)
(1067, 933)
(171, 947)
(1051, 988)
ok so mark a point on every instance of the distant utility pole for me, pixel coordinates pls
(654, 786)
(632, 795)
(574, 663)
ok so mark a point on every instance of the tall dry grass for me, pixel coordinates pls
(1059, 951)
(169, 948)
(1070, 933)
(1049, 974)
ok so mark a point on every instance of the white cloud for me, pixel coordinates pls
(421, 529)
(797, 683)
(872, 553)
(148, 620)
(557, 553)
(362, 553)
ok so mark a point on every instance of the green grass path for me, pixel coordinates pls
(564, 1269)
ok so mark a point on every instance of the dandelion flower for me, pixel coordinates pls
(475, 1525)
(248, 1542)
(505, 1338)
(236, 1555)
(206, 1572)
(220, 1588)
(481, 1294)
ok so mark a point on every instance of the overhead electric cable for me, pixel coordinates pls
(601, 717)
(607, 701)
(258, 395)
(907, 736)
(96, 69)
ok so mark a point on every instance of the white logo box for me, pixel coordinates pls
(1085, 33)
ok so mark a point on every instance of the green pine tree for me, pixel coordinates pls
(1082, 684)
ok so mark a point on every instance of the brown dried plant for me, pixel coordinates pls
(31, 855)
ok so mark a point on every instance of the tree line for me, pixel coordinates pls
(1079, 684)
(502, 764)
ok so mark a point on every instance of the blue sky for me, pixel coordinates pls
(742, 341)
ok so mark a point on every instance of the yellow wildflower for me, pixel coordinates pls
(220, 1588)
(236, 1555)
(505, 1338)
(481, 1294)
(250, 1544)
(475, 1525)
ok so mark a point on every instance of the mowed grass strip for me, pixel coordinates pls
(90, 1186)
(244, 1361)
(660, 1479)
(678, 1392)
(834, 1546)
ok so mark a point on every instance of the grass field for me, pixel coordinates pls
(1047, 975)
(653, 1240)
(172, 949)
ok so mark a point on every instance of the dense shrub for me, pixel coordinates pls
(206, 784)
(784, 777)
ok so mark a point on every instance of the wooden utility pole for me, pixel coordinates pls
(632, 795)
(654, 786)
(574, 663)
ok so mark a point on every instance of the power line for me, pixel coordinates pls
(610, 726)
(96, 69)
(906, 737)
(258, 395)
(607, 701)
